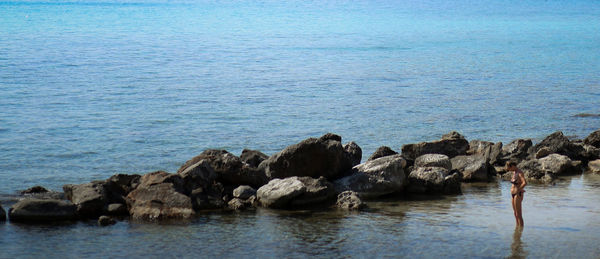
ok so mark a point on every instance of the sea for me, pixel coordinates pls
(91, 88)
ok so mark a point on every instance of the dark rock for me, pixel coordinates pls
(516, 150)
(35, 189)
(119, 185)
(560, 144)
(452, 184)
(593, 139)
(349, 200)
(198, 175)
(331, 136)
(160, 177)
(158, 201)
(591, 152)
(532, 171)
(433, 160)
(253, 157)
(542, 152)
(42, 210)
(244, 192)
(375, 178)
(295, 191)
(494, 156)
(433, 180)
(90, 198)
(452, 144)
(473, 168)
(117, 209)
(2, 214)
(382, 152)
(106, 221)
(209, 198)
(354, 152)
(594, 166)
(312, 157)
(238, 204)
(479, 147)
(548, 168)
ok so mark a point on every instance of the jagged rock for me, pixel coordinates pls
(382, 152)
(208, 198)
(241, 204)
(117, 209)
(160, 177)
(2, 213)
(473, 168)
(253, 157)
(349, 200)
(90, 198)
(375, 178)
(159, 201)
(452, 144)
(542, 152)
(31, 210)
(229, 168)
(433, 160)
(35, 189)
(294, 191)
(594, 166)
(106, 221)
(560, 144)
(593, 139)
(119, 185)
(244, 192)
(354, 152)
(532, 171)
(495, 153)
(516, 150)
(433, 180)
(312, 157)
(198, 175)
(548, 168)
(479, 147)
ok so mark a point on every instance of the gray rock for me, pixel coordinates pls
(542, 152)
(198, 175)
(494, 156)
(433, 180)
(349, 200)
(473, 168)
(90, 198)
(375, 178)
(317, 191)
(295, 191)
(593, 139)
(382, 151)
(560, 144)
(244, 192)
(479, 147)
(548, 168)
(42, 210)
(532, 171)
(594, 166)
(2, 214)
(209, 198)
(253, 157)
(517, 150)
(117, 209)
(433, 160)
(452, 144)
(159, 196)
(106, 221)
(35, 189)
(354, 152)
(241, 204)
(312, 157)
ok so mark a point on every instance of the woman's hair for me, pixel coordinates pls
(510, 164)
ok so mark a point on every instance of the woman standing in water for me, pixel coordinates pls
(517, 190)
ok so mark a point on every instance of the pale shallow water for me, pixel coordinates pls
(561, 221)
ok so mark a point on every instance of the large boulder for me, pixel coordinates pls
(294, 191)
(516, 150)
(253, 157)
(433, 180)
(31, 210)
(209, 198)
(478, 147)
(452, 144)
(198, 175)
(491, 152)
(2, 213)
(548, 168)
(558, 143)
(594, 166)
(433, 160)
(90, 198)
(375, 178)
(244, 192)
(158, 202)
(349, 200)
(532, 171)
(230, 169)
(354, 152)
(381, 152)
(593, 139)
(473, 168)
(311, 157)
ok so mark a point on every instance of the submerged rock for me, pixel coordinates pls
(354, 152)
(382, 151)
(241, 204)
(31, 210)
(349, 200)
(253, 157)
(311, 157)
(294, 191)
(375, 178)
(106, 221)
(473, 168)
(433, 160)
(452, 144)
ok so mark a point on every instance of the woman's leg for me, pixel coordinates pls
(519, 208)
(513, 201)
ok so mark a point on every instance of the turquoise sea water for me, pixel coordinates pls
(93, 88)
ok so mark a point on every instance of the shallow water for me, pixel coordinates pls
(561, 221)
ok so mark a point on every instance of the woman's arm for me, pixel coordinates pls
(523, 181)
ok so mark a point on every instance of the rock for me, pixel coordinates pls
(35, 189)
(560, 165)
(159, 201)
(253, 157)
(31, 210)
(161, 177)
(209, 198)
(117, 209)
(375, 178)
(452, 144)
(494, 156)
(594, 166)
(198, 175)
(593, 139)
(106, 221)
(560, 144)
(294, 191)
(542, 152)
(90, 198)
(433, 180)
(473, 168)
(312, 157)
(229, 168)
(354, 152)
(382, 152)
(241, 204)
(2, 214)
(591, 152)
(478, 147)
(433, 160)
(244, 192)
(516, 150)
(349, 200)
(119, 185)
(532, 171)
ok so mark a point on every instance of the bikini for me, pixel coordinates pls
(515, 181)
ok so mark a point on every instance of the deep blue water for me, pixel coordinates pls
(93, 88)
